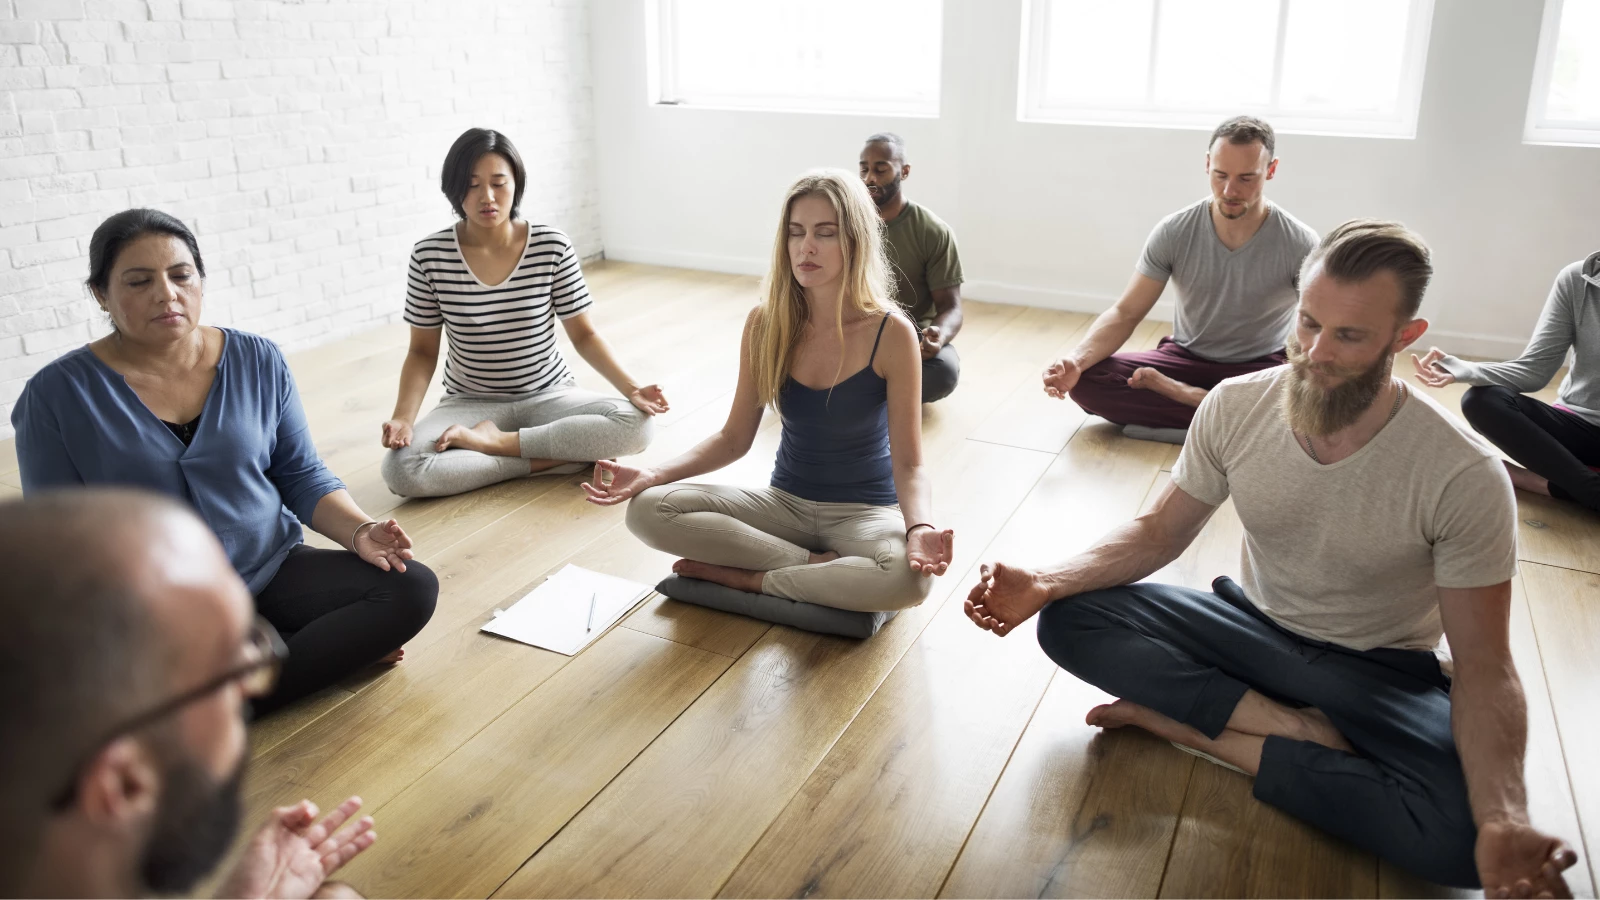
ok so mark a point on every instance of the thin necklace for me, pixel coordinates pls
(1399, 392)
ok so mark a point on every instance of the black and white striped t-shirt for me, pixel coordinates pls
(502, 338)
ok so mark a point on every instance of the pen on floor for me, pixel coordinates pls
(590, 627)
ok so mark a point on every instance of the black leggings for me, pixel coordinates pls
(1558, 445)
(339, 614)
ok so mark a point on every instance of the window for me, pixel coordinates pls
(1565, 105)
(838, 56)
(1325, 66)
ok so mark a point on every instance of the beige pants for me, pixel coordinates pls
(768, 530)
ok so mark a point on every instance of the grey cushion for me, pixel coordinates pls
(805, 616)
(1164, 435)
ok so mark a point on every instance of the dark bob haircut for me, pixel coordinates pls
(455, 179)
(123, 229)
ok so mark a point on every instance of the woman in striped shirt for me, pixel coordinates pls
(496, 285)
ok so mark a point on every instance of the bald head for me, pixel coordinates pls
(111, 598)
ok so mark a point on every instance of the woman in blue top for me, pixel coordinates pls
(847, 521)
(211, 415)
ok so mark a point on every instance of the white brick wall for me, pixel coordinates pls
(301, 139)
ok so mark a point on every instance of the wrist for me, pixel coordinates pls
(919, 526)
(356, 533)
(1054, 585)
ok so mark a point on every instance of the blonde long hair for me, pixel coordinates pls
(867, 288)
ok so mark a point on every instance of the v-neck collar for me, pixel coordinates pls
(1272, 210)
(527, 238)
(207, 414)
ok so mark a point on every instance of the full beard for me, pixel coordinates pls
(1315, 410)
(886, 193)
(194, 825)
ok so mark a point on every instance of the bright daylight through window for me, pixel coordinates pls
(1565, 105)
(1324, 66)
(820, 56)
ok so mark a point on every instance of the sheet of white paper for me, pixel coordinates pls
(555, 615)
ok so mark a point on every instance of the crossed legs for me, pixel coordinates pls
(1356, 743)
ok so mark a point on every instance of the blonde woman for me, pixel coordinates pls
(847, 522)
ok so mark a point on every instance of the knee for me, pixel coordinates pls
(1094, 383)
(1070, 631)
(647, 512)
(413, 595)
(641, 429)
(1485, 404)
(402, 472)
(939, 376)
(899, 587)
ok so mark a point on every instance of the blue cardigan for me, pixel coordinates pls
(251, 471)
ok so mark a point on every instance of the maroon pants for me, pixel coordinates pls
(1103, 389)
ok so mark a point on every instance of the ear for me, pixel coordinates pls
(1272, 168)
(120, 785)
(905, 170)
(1410, 333)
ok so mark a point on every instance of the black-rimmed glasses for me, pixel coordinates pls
(257, 675)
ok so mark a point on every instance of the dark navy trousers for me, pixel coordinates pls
(1192, 654)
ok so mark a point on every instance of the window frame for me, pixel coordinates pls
(1539, 128)
(660, 24)
(1032, 75)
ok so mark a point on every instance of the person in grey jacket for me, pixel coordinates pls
(1556, 446)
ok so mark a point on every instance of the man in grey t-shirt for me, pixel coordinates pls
(1374, 526)
(1234, 257)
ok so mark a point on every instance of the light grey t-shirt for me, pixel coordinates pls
(1354, 552)
(1570, 320)
(1233, 305)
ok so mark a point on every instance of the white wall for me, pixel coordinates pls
(1054, 215)
(301, 139)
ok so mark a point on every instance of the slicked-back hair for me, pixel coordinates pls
(896, 143)
(1361, 248)
(122, 229)
(79, 651)
(1246, 130)
(455, 177)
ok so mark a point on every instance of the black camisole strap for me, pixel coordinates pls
(879, 338)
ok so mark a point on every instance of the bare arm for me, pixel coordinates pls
(1106, 335)
(1489, 718)
(728, 444)
(383, 544)
(946, 322)
(416, 373)
(597, 353)
(1007, 596)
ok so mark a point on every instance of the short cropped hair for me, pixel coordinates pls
(895, 142)
(455, 177)
(79, 651)
(1361, 248)
(1246, 130)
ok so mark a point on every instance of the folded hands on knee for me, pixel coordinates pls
(929, 550)
(1005, 597)
(1516, 860)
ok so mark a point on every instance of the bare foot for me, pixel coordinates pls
(1124, 712)
(1320, 730)
(739, 579)
(1147, 379)
(483, 437)
(392, 658)
(1523, 480)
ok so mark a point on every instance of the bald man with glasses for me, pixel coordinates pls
(129, 654)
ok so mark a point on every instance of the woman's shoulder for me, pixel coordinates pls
(65, 371)
(439, 243)
(258, 352)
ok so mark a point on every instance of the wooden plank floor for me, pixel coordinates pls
(693, 753)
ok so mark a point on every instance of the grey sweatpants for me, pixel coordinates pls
(773, 531)
(1191, 655)
(563, 422)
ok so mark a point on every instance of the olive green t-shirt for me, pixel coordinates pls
(922, 254)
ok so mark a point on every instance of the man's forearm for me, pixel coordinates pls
(1128, 553)
(948, 321)
(1489, 717)
(1106, 336)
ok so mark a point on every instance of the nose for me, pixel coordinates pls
(1321, 350)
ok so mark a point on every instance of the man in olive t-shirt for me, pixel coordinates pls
(922, 253)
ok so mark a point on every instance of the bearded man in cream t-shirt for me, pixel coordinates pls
(1375, 525)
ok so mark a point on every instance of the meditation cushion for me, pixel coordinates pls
(805, 616)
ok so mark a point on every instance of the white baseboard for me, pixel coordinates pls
(1051, 298)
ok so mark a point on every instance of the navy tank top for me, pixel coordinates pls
(835, 443)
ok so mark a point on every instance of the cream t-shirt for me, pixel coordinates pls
(1353, 553)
